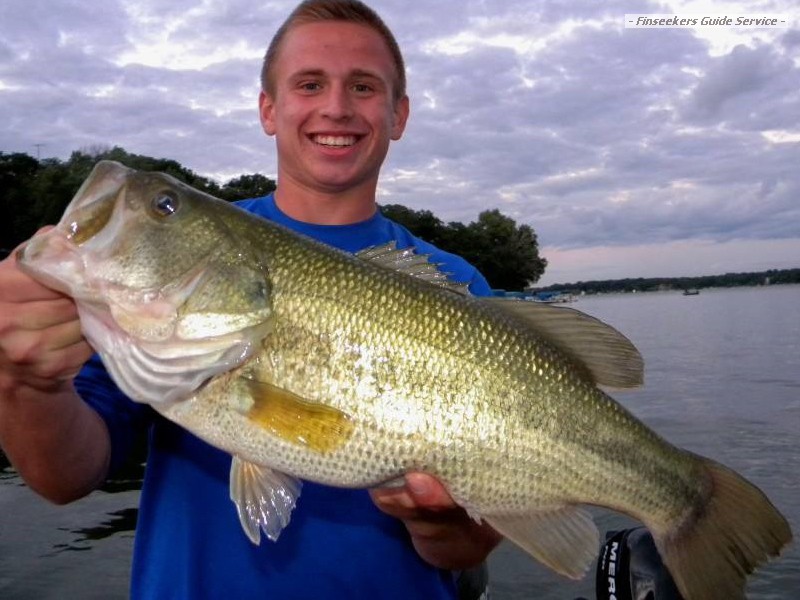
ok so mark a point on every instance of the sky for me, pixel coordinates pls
(632, 152)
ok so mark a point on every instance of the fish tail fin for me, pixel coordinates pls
(711, 554)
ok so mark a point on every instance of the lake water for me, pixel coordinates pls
(722, 379)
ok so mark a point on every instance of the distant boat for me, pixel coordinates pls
(691, 292)
(553, 297)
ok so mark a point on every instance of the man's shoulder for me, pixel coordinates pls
(457, 268)
(259, 206)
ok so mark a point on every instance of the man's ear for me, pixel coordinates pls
(266, 112)
(401, 111)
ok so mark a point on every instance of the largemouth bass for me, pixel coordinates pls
(304, 362)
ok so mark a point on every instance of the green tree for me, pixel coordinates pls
(54, 186)
(247, 186)
(239, 188)
(506, 253)
(163, 165)
(422, 222)
(17, 171)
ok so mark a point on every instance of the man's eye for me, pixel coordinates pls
(362, 88)
(310, 86)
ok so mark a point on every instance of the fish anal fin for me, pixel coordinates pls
(318, 427)
(264, 498)
(610, 358)
(564, 539)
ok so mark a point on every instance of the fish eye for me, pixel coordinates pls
(165, 204)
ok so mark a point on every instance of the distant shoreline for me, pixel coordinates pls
(661, 284)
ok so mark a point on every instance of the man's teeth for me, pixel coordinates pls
(335, 140)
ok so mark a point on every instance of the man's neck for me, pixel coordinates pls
(323, 208)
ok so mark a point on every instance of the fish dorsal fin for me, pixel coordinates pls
(611, 359)
(316, 426)
(264, 498)
(565, 539)
(409, 262)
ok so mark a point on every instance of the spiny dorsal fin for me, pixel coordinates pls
(406, 260)
(610, 357)
(319, 427)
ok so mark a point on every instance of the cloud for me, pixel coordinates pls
(596, 135)
(745, 87)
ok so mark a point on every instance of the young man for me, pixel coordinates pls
(334, 98)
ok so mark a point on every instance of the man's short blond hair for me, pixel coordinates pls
(349, 11)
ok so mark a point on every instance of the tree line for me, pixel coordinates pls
(34, 193)
(655, 284)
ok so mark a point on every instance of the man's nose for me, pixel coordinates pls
(338, 104)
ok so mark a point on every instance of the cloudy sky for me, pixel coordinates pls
(632, 152)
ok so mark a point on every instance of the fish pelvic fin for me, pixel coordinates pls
(264, 498)
(712, 552)
(564, 539)
(316, 426)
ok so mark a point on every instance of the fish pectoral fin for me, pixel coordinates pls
(610, 358)
(564, 539)
(264, 498)
(319, 427)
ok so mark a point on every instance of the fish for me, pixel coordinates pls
(308, 363)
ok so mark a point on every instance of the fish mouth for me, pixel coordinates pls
(75, 268)
(53, 258)
(61, 256)
(150, 314)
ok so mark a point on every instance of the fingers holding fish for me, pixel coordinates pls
(40, 334)
(420, 492)
(442, 532)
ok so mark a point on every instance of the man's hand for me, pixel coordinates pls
(41, 344)
(443, 533)
(59, 445)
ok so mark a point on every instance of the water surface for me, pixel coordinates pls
(722, 379)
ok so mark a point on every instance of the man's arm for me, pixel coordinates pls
(59, 445)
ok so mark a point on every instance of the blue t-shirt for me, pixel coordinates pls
(189, 544)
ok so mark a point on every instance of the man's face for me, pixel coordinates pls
(333, 111)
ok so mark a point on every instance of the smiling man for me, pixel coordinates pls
(334, 99)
